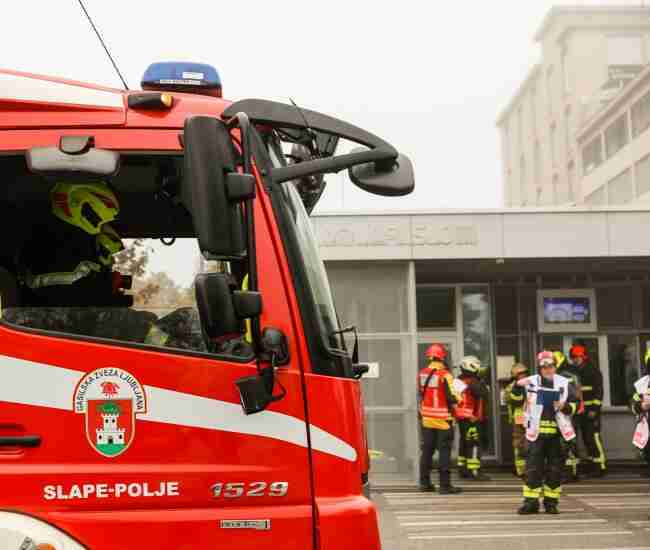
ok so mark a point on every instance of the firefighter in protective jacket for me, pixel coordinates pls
(549, 403)
(590, 421)
(564, 368)
(515, 402)
(437, 399)
(470, 413)
(641, 407)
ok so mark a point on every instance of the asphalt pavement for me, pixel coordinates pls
(603, 514)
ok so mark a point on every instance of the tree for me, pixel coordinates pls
(134, 258)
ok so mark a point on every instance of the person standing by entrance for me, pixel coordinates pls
(549, 403)
(470, 413)
(572, 463)
(515, 402)
(437, 399)
(590, 421)
(641, 407)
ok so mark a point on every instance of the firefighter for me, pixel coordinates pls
(470, 412)
(641, 407)
(564, 368)
(515, 402)
(549, 402)
(589, 421)
(437, 399)
(67, 278)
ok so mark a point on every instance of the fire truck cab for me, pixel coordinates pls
(234, 422)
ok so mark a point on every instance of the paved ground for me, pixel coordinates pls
(595, 515)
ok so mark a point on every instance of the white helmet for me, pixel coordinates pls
(470, 364)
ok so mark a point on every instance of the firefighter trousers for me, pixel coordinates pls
(590, 428)
(469, 446)
(519, 448)
(544, 463)
(432, 440)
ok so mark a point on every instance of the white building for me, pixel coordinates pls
(480, 282)
(556, 140)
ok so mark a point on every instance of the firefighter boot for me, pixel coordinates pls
(446, 488)
(477, 475)
(530, 506)
(426, 486)
(550, 507)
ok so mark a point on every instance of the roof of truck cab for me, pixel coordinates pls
(35, 101)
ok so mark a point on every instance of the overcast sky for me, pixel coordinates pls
(430, 77)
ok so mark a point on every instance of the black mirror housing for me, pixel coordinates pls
(394, 181)
(274, 343)
(247, 304)
(215, 305)
(253, 394)
(207, 184)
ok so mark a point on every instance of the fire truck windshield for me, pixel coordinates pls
(313, 267)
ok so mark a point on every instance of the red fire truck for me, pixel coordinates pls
(252, 434)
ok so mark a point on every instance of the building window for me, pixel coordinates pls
(549, 91)
(643, 176)
(641, 115)
(619, 190)
(522, 180)
(624, 51)
(616, 136)
(623, 368)
(436, 307)
(538, 171)
(597, 198)
(566, 71)
(592, 155)
(571, 176)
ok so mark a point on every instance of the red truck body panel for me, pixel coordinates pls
(188, 437)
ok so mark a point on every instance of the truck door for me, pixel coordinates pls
(131, 443)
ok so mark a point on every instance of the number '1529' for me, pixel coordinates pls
(253, 489)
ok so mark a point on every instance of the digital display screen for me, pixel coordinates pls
(567, 311)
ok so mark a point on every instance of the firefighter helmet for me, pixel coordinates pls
(436, 351)
(108, 243)
(559, 358)
(517, 369)
(545, 359)
(470, 364)
(87, 206)
(578, 351)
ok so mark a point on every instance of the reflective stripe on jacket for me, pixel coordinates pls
(434, 403)
(43, 280)
(533, 410)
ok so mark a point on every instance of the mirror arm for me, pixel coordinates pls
(333, 164)
(240, 120)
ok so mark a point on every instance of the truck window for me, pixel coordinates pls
(132, 282)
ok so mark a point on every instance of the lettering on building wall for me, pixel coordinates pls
(398, 234)
(444, 235)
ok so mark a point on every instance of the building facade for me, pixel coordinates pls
(476, 282)
(590, 57)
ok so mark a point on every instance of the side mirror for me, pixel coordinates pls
(212, 190)
(214, 301)
(392, 181)
(256, 392)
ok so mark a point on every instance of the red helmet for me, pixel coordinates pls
(578, 351)
(436, 351)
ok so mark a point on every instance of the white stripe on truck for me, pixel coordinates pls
(42, 385)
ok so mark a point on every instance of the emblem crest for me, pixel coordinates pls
(109, 398)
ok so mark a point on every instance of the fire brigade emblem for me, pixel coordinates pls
(110, 398)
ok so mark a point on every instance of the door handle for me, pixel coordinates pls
(20, 441)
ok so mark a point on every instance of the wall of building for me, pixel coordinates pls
(539, 126)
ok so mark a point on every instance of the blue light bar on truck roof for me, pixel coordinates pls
(194, 78)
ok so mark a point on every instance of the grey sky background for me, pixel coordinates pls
(430, 77)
